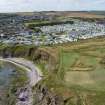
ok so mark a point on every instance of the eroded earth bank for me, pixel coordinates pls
(34, 91)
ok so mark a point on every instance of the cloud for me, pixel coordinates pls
(33, 5)
(98, 1)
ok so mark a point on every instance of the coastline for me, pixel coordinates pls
(35, 75)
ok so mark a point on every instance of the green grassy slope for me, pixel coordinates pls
(79, 73)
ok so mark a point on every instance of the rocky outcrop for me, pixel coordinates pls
(43, 96)
(41, 93)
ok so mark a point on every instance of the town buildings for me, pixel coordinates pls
(15, 32)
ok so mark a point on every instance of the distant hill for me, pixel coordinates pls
(83, 14)
(98, 12)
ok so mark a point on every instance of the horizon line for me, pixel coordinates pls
(53, 11)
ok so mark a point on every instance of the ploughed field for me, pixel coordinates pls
(11, 79)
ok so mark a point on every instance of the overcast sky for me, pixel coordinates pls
(47, 5)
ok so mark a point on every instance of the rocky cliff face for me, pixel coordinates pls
(33, 53)
(42, 96)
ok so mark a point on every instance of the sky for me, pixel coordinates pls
(50, 5)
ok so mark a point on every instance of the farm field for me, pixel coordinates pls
(84, 66)
(81, 70)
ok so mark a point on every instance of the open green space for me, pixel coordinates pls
(79, 73)
(83, 67)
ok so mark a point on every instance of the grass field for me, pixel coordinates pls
(80, 73)
(83, 67)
